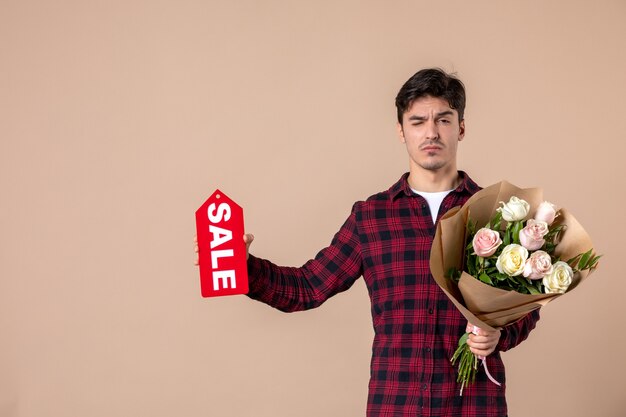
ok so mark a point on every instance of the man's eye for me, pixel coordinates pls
(445, 121)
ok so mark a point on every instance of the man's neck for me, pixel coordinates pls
(433, 181)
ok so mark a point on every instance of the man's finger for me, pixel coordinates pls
(248, 238)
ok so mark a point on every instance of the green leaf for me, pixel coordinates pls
(549, 247)
(540, 287)
(471, 264)
(491, 271)
(453, 274)
(507, 238)
(471, 227)
(582, 264)
(485, 278)
(517, 226)
(501, 277)
(554, 233)
(533, 290)
(497, 220)
(593, 262)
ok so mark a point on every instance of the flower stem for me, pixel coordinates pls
(468, 363)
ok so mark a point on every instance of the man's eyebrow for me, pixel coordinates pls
(440, 114)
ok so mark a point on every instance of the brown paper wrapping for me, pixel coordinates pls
(481, 304)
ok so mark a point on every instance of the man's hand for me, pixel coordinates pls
(247, 238)
(482, 342)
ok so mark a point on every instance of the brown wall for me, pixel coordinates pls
(118, 118)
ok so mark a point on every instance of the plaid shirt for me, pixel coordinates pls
(387, 240)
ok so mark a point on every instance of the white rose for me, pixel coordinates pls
(559, 279)
(516, 209)
(512, 260)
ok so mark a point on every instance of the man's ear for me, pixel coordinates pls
(400, 133)
(461, 130)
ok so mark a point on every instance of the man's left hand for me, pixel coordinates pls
(482, 342)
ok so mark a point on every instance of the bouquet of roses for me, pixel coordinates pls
(499, 261)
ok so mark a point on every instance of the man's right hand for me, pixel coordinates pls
(247, 238)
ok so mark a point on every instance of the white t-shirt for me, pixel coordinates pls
(434, 201)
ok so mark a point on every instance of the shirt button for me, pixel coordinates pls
(431, 311)
(424, 387)
(427, 350)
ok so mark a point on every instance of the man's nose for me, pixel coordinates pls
(432, 131)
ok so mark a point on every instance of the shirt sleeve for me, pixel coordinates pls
(515, 333)
(333, 270)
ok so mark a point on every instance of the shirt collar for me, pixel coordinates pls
(402, 186)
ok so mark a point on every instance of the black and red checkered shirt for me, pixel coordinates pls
(387, 240)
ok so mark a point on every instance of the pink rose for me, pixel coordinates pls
(538, 265)
(546, 212)
(531, 236)
(486, 242)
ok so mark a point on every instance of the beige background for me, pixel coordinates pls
(118, 118)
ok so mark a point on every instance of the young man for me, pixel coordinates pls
(387, 239)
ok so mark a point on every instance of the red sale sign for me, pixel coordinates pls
(221, 249)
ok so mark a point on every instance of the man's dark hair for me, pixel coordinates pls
(431, 82)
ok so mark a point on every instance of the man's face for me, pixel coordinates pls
(431, 131)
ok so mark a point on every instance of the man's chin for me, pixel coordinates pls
(433, 165)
